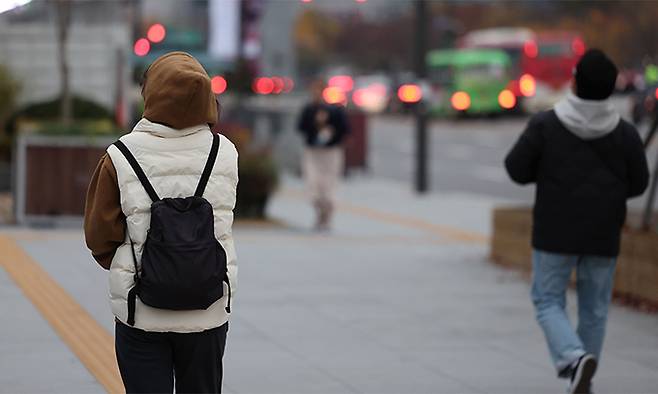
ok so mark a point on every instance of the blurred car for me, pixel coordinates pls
(372, 93)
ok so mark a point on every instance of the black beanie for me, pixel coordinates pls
(596, 76)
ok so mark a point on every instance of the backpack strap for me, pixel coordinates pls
(207, 170)
(133, 292)
(138, 170)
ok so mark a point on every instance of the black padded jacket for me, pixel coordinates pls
(582, 185)
(337, 119)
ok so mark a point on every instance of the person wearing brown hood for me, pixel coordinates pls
(158, 216)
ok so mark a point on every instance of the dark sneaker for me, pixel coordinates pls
(581, 378)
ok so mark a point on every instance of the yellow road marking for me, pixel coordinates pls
(447, 232)
(92, 344)
(324, 238)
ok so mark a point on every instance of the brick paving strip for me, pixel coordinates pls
(92, 344)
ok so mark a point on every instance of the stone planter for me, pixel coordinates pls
(636, 278)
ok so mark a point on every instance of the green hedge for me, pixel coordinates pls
(83, 110)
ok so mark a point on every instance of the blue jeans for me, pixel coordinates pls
(550, 280)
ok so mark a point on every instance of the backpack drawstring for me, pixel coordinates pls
(228, 304)
(132, 293)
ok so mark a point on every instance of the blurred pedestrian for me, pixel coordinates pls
(158, 217)
(324, 128)
(586, 162)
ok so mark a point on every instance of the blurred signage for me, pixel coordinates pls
(224, 29)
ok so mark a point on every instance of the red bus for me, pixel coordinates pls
(542, 62)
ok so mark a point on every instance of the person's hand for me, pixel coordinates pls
(325, 135)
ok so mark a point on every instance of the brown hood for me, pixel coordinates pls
(177, 92)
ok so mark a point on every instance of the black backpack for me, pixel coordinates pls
(183, 264)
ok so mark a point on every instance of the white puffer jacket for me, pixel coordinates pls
(173, 161)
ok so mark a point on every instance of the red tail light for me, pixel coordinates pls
(218, 84)
(506, 99)
(527, 85)
(278, 84)
(530, 49)
(333, 95)
(460, 101)
(142, 47)
(410, 93)
(263, 85)
(344, 82)
(288, 84)
(578, 47)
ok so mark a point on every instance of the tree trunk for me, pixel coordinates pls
(63, 24)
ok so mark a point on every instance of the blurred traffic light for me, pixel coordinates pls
(142, 47)
(156, 33)
(218, 84)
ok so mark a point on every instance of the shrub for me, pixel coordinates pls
(257, 171)
(258, 180)
(9, 89)
(83, 110)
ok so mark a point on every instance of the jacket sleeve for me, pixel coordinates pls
(636, 164)
(104, 222)
(522, 162)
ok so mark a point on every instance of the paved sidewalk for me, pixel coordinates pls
(399, 298)
(32, 357)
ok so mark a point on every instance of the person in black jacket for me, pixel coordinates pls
(586, 162)
(324, 128)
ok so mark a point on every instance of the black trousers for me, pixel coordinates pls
(149, 361)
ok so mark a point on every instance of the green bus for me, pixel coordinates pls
(469, 81)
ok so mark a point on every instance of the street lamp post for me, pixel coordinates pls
(420, 41)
